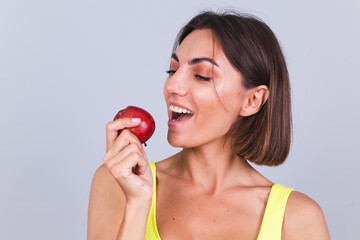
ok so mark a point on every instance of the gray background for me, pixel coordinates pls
(66, 68)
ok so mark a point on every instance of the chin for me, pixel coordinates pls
(177, 142)
(180, 142)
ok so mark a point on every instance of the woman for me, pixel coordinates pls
(229, 80)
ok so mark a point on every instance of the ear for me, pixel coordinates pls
(254, 100)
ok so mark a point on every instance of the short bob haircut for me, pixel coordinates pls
(249, 44)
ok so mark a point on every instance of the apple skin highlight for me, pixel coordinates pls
(147, 126)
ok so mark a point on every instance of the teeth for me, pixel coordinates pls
(179, 109)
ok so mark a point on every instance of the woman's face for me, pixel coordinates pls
(198, 65)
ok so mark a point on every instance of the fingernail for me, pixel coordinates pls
(136, 120)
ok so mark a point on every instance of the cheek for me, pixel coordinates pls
(213, 127)
(217, 103)
(231, 91)
(165, 93)
(214, 120)
(231, 98)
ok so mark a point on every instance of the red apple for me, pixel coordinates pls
(145, 129)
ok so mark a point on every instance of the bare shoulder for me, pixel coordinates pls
(304, 219)
(165, 165)
(103, 182)
(106, 206)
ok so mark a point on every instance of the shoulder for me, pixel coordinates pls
(106, 205)
(167, 165)
(103, 182)
(304, 219)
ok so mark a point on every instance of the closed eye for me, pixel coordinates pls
(202, 78)
(170, 72)
(199, 77)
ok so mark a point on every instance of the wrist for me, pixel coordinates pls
(135, 219)
(138, 206)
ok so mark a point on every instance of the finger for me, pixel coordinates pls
(142, 168)
(125, 138)
(125, 152)
(113, 127)
(124, 168)
(137, 161)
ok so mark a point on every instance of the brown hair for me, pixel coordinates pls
(249, 44)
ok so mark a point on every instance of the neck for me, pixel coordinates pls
(213, 167)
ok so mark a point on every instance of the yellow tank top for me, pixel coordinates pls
(271, 224)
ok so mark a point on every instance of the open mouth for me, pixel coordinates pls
(175, 116)
(179, 114)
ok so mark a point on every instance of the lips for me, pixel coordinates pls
(175, 116)
(179, 114)
(173, 123)
(178, 105)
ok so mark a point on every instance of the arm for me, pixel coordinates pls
(120, 197)
(108, 215)
(134, 222)
(304, 219)
(106, 206)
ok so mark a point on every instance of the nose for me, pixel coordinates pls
(176, 84)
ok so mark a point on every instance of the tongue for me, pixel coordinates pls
(180, 116)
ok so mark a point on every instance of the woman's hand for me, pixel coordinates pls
(126, 160)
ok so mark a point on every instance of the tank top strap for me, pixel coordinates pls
(151, 228)
(271, 226)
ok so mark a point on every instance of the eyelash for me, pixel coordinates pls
(202, 78)
(171, 72)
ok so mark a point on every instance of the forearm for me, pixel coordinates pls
(134, 222)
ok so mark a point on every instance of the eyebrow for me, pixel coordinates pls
(196, 60)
